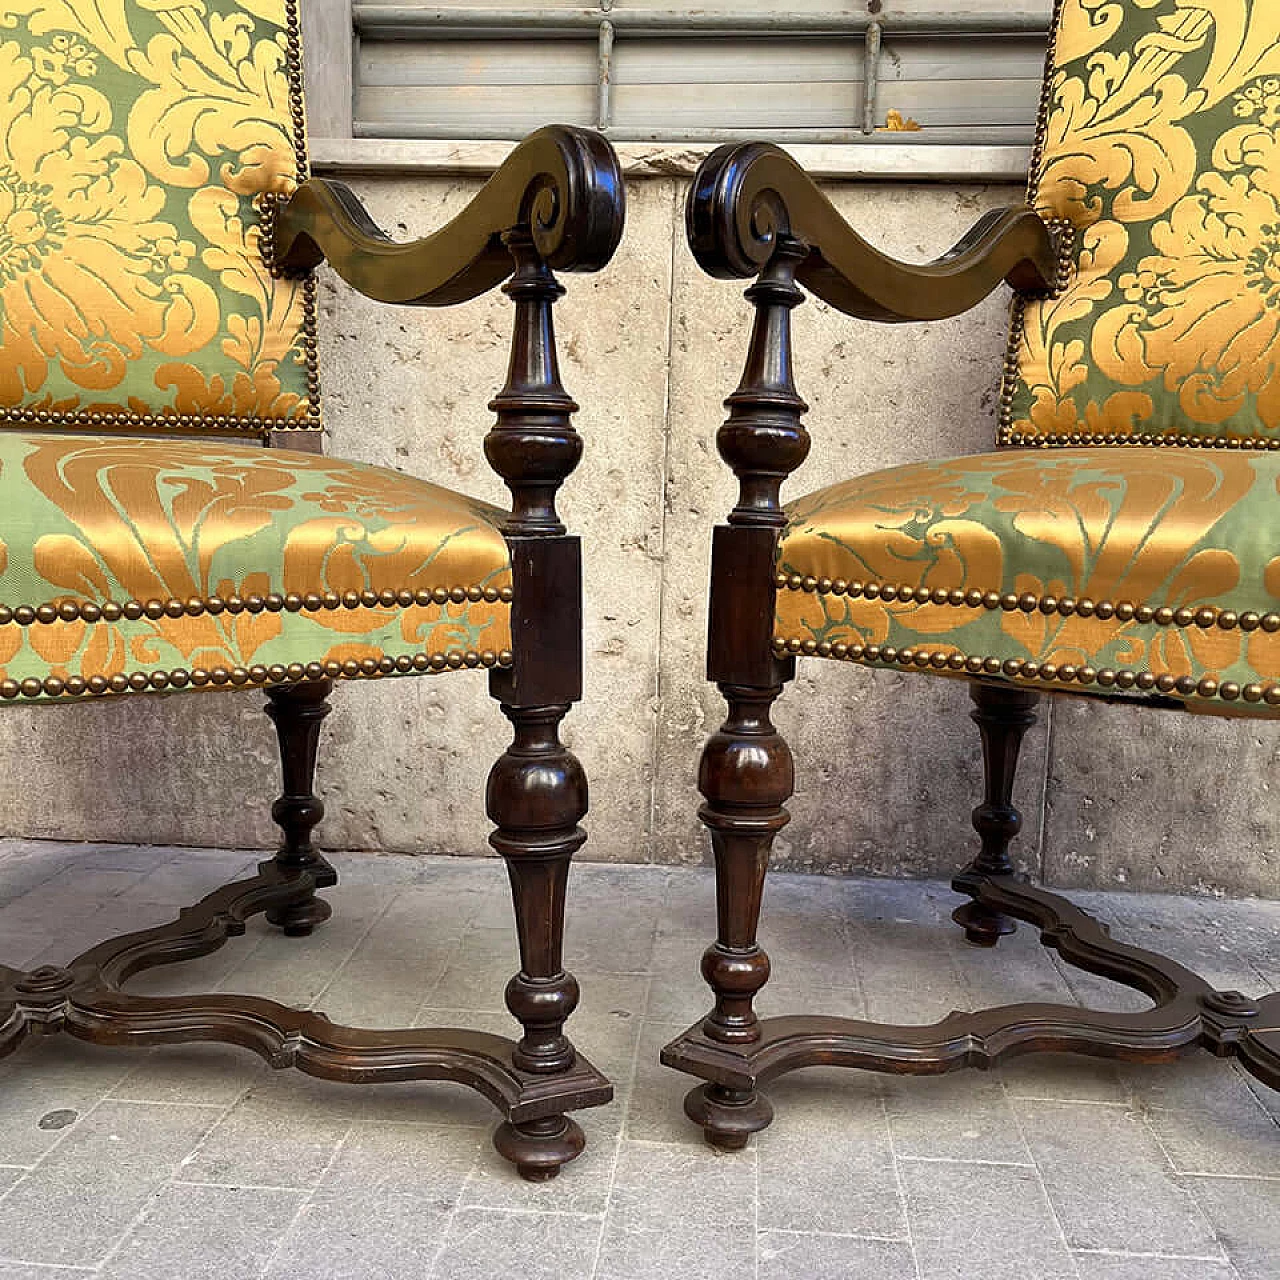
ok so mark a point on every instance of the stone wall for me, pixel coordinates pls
(887, 762)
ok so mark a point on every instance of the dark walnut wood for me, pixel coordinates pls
(746, 773)
(87, 1000)
(753, 212)
(1002, 715)
(557, 202)
(297, 712)
(561, 184)
(537, 792)
(747, 197)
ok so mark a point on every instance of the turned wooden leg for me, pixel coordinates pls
(297, 710)
(537, 793)
(745, 775)
(1003, 715)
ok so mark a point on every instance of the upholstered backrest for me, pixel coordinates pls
(141, 144)
(1159, 144)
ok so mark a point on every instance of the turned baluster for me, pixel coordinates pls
(297, 710)
(746, 774)
(537, 790)
(1003, 715)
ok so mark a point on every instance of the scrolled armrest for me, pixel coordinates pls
(563, 184)
(747, 195)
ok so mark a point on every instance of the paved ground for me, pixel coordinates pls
(200, 1162)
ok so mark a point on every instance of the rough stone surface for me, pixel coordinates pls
(199, 1161)
(887, 763)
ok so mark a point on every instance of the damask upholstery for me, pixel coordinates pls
(138, 565)
(1100, 570)
(1160, 146)
(140, 144)
(143, 148)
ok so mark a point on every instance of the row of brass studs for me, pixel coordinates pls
(298, 117)
(311, 348)
(1027, 602)
(1032, 439)
(87, 611)
(99, 421)
(249, 677)
(1017, 313)
(1015, 669)
(268, 205)
(1064, 239)
(1009, 375)
(293, 73)
(1045, 105)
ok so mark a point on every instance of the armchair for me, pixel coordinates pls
(1120, 544)
(157, 330)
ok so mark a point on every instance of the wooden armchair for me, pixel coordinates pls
(1123, 543)
(157, 329)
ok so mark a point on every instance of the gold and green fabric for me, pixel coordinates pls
(1160, 147)
(1148, 560)
(143, 147)
(1101, 570)
(137, 565)
(141, 144)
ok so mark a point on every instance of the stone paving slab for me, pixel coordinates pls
(197, 1160)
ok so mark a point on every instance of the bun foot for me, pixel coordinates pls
(982, 926)
(540, 1147)
(728, 1116)
(298, 919)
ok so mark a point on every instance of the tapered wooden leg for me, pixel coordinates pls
(297, 711)
(1003, 715)
(745, 776)
(537, 794)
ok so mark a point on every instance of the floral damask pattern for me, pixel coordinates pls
(1161, 146)
(1150, 561)
(135, 138)
(120, 557)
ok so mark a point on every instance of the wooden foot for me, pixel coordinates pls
(539, 1147)
(298, 919)
(728, 1116)
(982, 926)
(297, 711)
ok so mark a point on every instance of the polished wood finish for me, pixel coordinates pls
(86, 999)
(297, 712)
(1188, 1012)
(537, 791)
(556, 203)
(753, 212)
(748, 197)
(561, 184)
(1002, 715)
(746, 773)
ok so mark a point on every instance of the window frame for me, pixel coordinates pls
(333, 30)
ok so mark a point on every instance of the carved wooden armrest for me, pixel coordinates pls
(748, 196)
(561, 184)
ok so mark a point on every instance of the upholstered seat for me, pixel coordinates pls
(160, 564)
(1095, 569)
